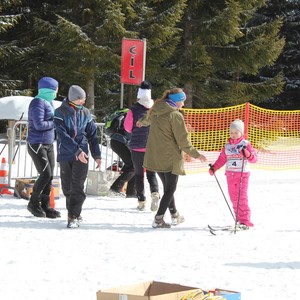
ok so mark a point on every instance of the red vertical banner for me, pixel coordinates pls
(133, 61)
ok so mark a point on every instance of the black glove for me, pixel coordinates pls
(246, 153)
(211, 170)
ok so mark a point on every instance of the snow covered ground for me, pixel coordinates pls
(116, 245)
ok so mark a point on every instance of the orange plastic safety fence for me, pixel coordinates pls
(274, 134)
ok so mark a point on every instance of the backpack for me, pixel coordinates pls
(114, 122)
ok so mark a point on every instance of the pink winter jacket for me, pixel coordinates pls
(233, 158)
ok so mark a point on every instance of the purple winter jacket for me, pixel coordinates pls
(40, 122)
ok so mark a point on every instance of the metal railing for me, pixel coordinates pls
(20, 164)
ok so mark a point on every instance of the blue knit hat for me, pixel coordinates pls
(48, 83)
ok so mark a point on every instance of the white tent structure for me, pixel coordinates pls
(16, 107)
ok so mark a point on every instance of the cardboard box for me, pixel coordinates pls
(24, 187)
(150, 290)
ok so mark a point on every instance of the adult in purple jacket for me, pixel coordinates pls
(40, 147)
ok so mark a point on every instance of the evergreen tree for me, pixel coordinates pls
(157, 22)
(69, 40)
(9, 53)
(221, 54)
(289, 60)
(80, 41)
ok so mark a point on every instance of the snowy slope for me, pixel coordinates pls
(116, 245)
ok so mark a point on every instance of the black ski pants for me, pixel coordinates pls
(43, 158)
(73, 175)
(167, 201)
(127, 172)
(138, 161)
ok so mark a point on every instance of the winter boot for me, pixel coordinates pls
(154, 201)
(34, 206)
(49, 211)
(131, 190)
(131, 195)
(159, 222)
(241, 226)
(141, 205)
(177, 218)
(73, 222)
(114, 194)
(116, 190)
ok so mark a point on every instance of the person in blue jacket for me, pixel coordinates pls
(76, 134)
(40, 147)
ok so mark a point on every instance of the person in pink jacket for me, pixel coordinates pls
(137, 146)
(237, 154)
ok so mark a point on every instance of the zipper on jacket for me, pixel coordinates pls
(75, 123)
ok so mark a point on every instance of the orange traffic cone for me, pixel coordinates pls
(3, 177)
(52, 201)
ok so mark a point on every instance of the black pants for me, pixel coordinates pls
(138, 160)
(127, 174)
(43, 158)
(73, 175)
(169, 181)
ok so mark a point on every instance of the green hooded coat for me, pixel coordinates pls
(168, 138)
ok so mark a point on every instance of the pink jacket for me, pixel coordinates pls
(233, 158)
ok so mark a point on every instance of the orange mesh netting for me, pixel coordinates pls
(274, 134)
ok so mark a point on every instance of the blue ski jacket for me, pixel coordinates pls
(76, 132)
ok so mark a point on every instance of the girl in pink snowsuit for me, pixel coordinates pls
(237, 154)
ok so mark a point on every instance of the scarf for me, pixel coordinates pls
(76, 106)
(48, 95)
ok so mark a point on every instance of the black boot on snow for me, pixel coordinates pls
(35, 208)
(51, 213)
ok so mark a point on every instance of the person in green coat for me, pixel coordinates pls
(167, 140)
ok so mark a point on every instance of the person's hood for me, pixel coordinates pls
(161, 108)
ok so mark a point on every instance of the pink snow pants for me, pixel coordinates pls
(242, 212)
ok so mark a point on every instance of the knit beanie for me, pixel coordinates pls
(76, 92)
(238, 125)
(48, 83)
(144, 94)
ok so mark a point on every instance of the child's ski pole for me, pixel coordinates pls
(210, 165)
(240, 188)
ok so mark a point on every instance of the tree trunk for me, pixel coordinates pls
(90, 99)
(188, 89)
(131, 96)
